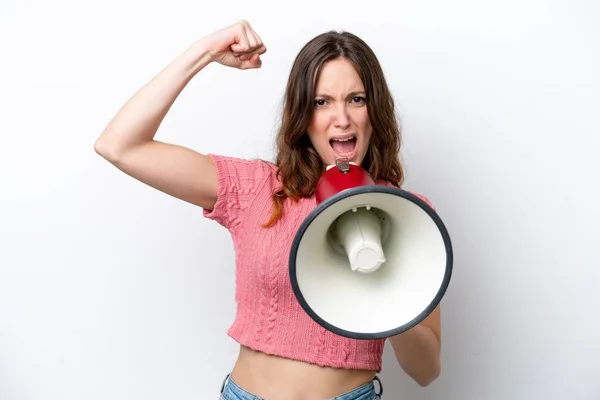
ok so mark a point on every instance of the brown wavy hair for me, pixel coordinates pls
(299, 165)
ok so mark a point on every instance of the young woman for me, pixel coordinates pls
(337, 104)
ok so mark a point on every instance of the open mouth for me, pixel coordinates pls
(344, 147)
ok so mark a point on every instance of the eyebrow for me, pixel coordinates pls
(351, 94)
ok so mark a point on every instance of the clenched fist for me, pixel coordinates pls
(237, 46)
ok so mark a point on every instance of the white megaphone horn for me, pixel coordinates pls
(370, 261)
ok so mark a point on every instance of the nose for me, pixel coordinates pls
(341, 117)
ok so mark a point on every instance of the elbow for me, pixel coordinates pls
(101, 148)
(108, 151)
(424, 382)
(427, 379)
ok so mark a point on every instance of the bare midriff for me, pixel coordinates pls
(276, 378)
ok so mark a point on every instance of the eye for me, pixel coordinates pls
(358, 99)
(319, 102)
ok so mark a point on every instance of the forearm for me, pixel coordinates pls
(138, 120)
(418, 353)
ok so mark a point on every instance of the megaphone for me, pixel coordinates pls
(370, 261)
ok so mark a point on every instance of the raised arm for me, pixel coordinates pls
(128, 141)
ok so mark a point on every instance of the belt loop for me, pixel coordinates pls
(376, 378)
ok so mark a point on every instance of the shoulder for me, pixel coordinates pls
(242, 170)
(240, 184)
(239, 162)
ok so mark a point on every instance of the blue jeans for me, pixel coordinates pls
(231, 391)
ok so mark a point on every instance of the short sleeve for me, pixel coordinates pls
(238, 182)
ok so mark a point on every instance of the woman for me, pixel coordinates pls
(337, 104)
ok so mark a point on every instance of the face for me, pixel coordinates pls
(340, 125)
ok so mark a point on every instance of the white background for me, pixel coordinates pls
(112, 290)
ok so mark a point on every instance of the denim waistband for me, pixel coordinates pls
(232, 391)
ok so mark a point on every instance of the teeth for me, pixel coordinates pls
(344, 140)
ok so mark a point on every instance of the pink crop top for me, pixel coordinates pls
(269, 319)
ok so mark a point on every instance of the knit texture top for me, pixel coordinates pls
(268, 317)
